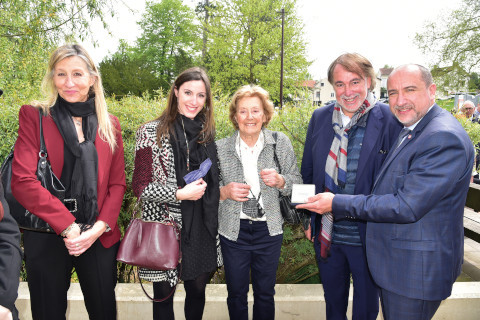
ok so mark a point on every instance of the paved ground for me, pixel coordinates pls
(471, 264)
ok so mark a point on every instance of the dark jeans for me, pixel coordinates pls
(255, 253)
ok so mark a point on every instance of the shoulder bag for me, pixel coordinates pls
(290, 214)
(25, 219)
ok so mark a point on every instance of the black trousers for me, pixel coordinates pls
(49, 269)
(194, 299)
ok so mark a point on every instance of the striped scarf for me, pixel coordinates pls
(336, 165)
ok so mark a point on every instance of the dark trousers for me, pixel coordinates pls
(255, 254)
(397, 307)
(335, 274)
(194, 298)
(49, 269)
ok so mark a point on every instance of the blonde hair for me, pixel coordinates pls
(247, 91)
(106, 129)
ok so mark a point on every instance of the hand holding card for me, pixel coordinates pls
(301, 193)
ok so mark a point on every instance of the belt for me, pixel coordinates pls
(71, 204)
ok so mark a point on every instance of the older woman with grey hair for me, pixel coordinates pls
(250, 222)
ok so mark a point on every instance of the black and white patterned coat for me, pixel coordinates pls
(154, 181)
(232, 171)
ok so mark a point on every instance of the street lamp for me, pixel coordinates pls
(281, 59)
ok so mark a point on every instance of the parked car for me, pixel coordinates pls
(329, 102)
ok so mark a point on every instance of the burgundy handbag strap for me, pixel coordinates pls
(163, 299)
(177, 229)
(174, 224)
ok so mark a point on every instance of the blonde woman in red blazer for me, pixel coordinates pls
(85, 150)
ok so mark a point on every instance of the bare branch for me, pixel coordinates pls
(72, 17)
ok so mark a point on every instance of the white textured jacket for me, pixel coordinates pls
(231, 170)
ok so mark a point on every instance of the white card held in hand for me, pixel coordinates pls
(301, 192)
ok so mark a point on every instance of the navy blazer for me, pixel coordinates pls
(381, 132)
(415, 230)
(10, 258)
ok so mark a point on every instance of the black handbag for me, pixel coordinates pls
(289, 213)
(25, 219)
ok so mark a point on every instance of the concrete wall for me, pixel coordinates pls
(292, 302)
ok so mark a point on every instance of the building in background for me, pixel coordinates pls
(382, 76)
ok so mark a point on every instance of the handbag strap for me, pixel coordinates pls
(177, 230)
(163, 299)
(43, 148)
(274, 134)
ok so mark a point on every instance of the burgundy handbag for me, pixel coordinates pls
(150, 244)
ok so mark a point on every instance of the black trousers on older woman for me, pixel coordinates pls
(49, 270)
(255, 254)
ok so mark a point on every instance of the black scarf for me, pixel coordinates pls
(83, 184)
(207, 206)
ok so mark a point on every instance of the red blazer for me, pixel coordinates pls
(38, 200)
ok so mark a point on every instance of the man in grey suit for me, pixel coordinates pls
(415, 212)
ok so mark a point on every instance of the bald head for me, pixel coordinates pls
(423, 72)
(411, 93)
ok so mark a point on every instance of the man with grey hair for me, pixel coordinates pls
(415, 212)
(468, 109)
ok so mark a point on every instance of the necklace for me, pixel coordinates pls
(186, 142)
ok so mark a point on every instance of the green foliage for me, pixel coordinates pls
(244, 45)
(453, 41)
(169, 39)
(474, 83)
(297, 259)
(472, 128)
(30, 29)
(133, 111)
(8, 127)
(167, 46)
(446, 104)
(125, 73)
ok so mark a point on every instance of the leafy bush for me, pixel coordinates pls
(297, 261)
(132, 111)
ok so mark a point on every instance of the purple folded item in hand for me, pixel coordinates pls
(199, 173)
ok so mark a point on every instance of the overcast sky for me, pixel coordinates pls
(381, 30)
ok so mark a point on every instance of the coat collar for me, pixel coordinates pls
(373, 129)
(267, 134)
(432, 113)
